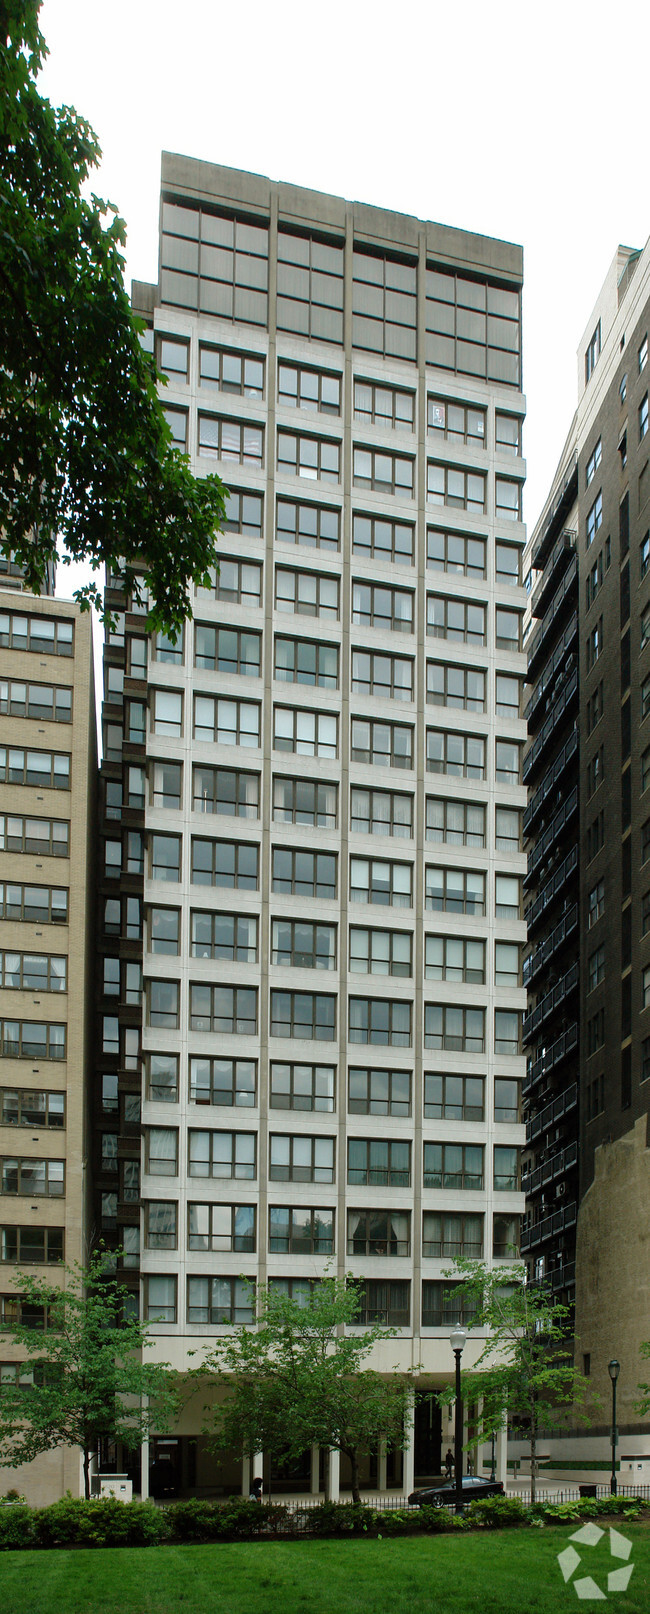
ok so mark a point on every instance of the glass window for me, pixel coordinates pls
(456, 1029)
(310, 287)
(165, 857)
(301, 1230)
(306, 661)
(373, 468)
(227, 650)
(244, 513)
(307, 1015)
(382, 539)
(224, 935)
(456, 552)
(379, 1162)
(224, 1155)
(373, 880)
(453, 958)
(380, 952)
(449, 1234)
(304, 874)
(458, 755)
(302, 944)
(225, 863)
(384, 745)
(301, 801)
(227, 791)
(225, 371)
(294, 1158)
(168, 712)
(302, 1087)
(384, 305)
(218, 720)
(223, 1081)
(230, 440)
(313, 526)
(379, 1092)
(316, 458)
(382, 1021)
(307, 593)
(457, 488)
(221, 1227)
(228, 1009)
(459, 823)
(453, 1098)
(453, 1165)
(376, 606)
(312, 390)
(162, 1078)
(455, 890)
(310, 734)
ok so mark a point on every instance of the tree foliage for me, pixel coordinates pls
(89, 1379)
(642, 1406)
(85, 451)
(525, 1370)
(297, 1379)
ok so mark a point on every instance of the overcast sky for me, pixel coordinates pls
(519, 121)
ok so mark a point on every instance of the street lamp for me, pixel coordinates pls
(457, 1340)
(613, 1369)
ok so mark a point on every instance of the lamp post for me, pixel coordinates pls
(613, 1369)
(457, 1340)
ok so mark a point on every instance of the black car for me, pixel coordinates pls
(439, 1495)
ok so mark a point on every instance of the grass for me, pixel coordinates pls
(509, 1572)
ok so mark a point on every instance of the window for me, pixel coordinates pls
(42, 635)
(239, 582)
(167, 714)
(310, 287)
(47, 837)
(307, 593)
(134, 852)
(309, 734)
(162, 1078)
(596, 1031)
(507, 896)
(48, 770)
(644, 557)
(645, 628)
(453, 1165)
(220, 721)
(461, 621)
(110, 1035)
(313, 390)
(594, 644)
(244, 513)
(457, 488)
(311, 525)
(380, 952)
(507, 433)
(506, 1099)
(32, 1039)
(33, 1177)
(379, 1162)
(507, 762)
(24, 1107)
(460, 756)
(472, 327)
(450, 1234)
(301, 1231)
(306, 661)
(456, 552)
(379, 1092)
(643, 417)
(307, 1015)
(384, 305)
(459, 423)
(594, 461)
(228, 1009)
(506, 1237)
(30, 1246)
(507, 563)
(389, 677)
(455, 890)
(645, 841)
(507, 1031)
(460, 687)
(165, 857)
(443, 1305)
(230, 1082)
(159, 1299)
(164, 997)
(594, 518)
(301, 944)
(227, 791)
(302, 1087)
(220, 1300)
(222, 1154)
(177, 422)
(452, 958)
(595, 903)
(643, 354)
(304, 873)
(595, 771)
(384, 1302)
(381, 539)
(382, 1021)
(507, 495)
(459, 823)
(167, 650)
(227, 650)
(228, 440)
(34, 903)
(387, 745)
(645, 982)
(33, 972)
(221, 1227)
(456, 1029)
(301, 801)
(387, 407)
(224, 371)
(318, 458)
(300, 1159)
(375, 606)
(374, 881)
(592, 354)
(167, 783)
(108, 1163)
(161, 1217)
(507, 629)
(506, 964)
(381, 812)
(645, 769)
(224, 935)
(453, 1098)
(233, 864)
(47, 702)
(506, 1168)
(645, 913)
(379, 1232)
(595, 708)
(508, 695)
(374, 468)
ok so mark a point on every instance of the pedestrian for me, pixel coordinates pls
(449, 1463)
(255, 1493)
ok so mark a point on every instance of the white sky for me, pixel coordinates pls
(520, 121)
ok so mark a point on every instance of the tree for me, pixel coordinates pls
(85, 450)
(88, 1376)
(525, 1369)
(642, 1406)
(296, 1379)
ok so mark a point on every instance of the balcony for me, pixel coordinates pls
(552, 1113)
(551, 1058)
(546, 735)
(551, 621)
(550, 672)
(555, 829)
(551, 1170)
(550, 945)
(556, 512)
(564, 1277)
(562, 990)
(543, 590)
(541, 1232)
(550, 780)
(552, 889)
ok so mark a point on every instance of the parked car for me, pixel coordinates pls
(439, 1495)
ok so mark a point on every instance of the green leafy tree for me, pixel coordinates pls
(525, 1370)
(89, 1378)
(642, 1406)
(297, 1379)
(85, 451)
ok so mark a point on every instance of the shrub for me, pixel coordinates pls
(17, 1526)
(195, 1520)
(105, 1523)
(490, 1511)
(341, 1519)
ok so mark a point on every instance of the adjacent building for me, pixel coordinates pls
(309, 995)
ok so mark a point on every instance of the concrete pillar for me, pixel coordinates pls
(314, 1482)
(381, 1466)
(502, 1455)
(246, 1476)
(335, 1475)
(144, 1470)
(408, 1464)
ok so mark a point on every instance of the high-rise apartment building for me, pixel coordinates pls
(589, 822)
(311, 930)
(48, 764)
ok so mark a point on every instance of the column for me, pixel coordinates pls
(502, 1455)
(409, 1447)
(381, 1466)
(144, 1470)
(335, 1475)
(314, 1482)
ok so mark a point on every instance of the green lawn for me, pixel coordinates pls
(512, 1572)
